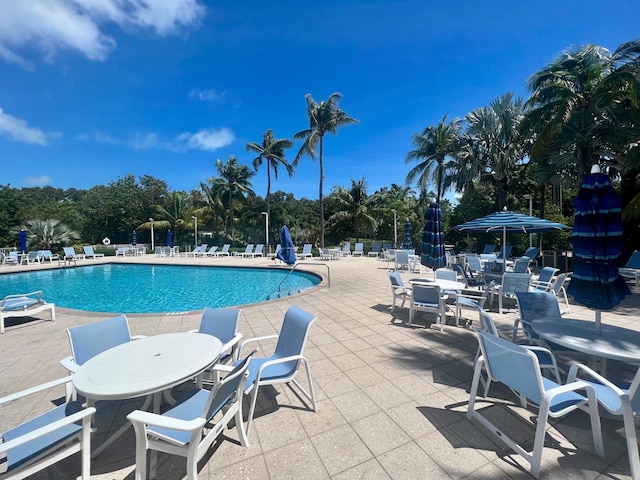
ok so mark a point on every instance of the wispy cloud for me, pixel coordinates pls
(98, 137)
(77, 25)
(40, 181)
(204, 139)
(211, 95)
(20, 130)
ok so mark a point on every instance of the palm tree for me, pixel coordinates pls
(324, 117)
(213, 210)
(271, 151)
(234, 180)
(353, 205)
(581, 105)
(432, 147)
(492, 147)
(44, 234)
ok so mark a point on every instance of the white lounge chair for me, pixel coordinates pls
(358, 249)
(306, 251)
(24, 305)
(258, 252)
(4, 260)
(224, 252)
(248, 251)
(70, 254)
(88, 252)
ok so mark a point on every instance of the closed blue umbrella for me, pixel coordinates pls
(169, 238)
(23, 240)
(286, 252)
(597, 244)
(432, 254)
(134, 238)
(408, 233)
(509, 222)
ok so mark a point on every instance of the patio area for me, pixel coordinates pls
(391, 399)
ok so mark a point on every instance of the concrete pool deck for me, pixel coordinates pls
(392, 399)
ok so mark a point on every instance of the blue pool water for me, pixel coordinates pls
(155, 288)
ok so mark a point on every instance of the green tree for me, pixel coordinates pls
(47, 234)
(492, 147)
(324, 117)
(353, 205)
(432, 147)
(234, 181)
(271, 151)
(580, 106)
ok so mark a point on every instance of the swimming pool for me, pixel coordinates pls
(156, 288)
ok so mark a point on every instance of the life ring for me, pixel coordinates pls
(106, 241)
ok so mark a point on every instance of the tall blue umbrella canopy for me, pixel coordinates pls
(509, 222)
(286, 253)
(432, 254)
(169, 238)
(597, 244)
(408, 232)
(23, 240)
(134, 238)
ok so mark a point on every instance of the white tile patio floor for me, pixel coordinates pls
(392, 399)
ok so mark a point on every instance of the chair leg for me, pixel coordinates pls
(632, 442)
(252, 407)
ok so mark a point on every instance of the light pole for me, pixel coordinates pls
(266, 228)
(153, 245)
(529, 197)
(195, 232)
(395, 229)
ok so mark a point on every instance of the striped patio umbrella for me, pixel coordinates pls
(432, 254)
(134, 238)
(286, 253)
(169, 238)
(408, 232)
(509, 222)
(597, 244)
(23, 240)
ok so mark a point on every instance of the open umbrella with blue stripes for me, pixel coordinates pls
(286, 252)
(432, 253)
(597, 244)
(509, 222)
(134, 238)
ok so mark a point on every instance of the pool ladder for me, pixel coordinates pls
(279, 291)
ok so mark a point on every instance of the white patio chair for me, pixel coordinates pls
(511, 283)
(398, 289)
(427, 298)
(617, 399)
(222, 323)
(306, 251)
(48, 438)
(181, 430)
(518, 368)
(358, 250)
(283, 365)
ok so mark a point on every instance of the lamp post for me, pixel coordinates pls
(529, 197)
(266, 228)
(195, 230)
(395, 229)
(153, 245)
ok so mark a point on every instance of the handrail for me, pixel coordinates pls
(306, 263)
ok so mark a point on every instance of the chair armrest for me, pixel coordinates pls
(37, 294)
(147, 418)
(70, 364)
(83, 415)
(291, 358)
(578, 367)
(36, 389)
(255, 339)
(515, 331)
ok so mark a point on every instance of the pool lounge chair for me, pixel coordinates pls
(7, 260)
(199, 250)
(70, 254)
(375, 250)
(248, 251)
(358, 250)
(306, 251)
(34, 257)
(47, 255)
(24, 305)
(632, 267)
(88, 252)
(257, 252)
(224, 252)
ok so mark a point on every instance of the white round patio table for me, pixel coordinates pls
(616, 343)
(146, 366)
(448, 285)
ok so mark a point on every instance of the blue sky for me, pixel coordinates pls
(92, 90)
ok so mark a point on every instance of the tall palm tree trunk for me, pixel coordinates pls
(320, 196)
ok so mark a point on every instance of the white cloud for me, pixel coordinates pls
(40, 181)
(53, 25)
(99, 137)
(204, 139)
(211, 95)
(210, 140)
(20, 130)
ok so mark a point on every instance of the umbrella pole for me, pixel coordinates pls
(598, 322)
